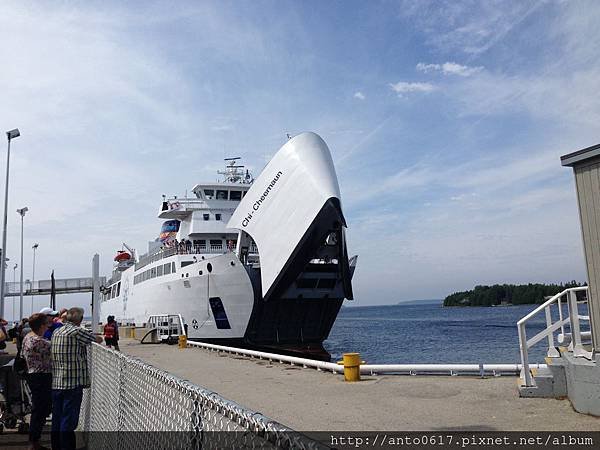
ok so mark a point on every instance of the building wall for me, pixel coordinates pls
(587, 179)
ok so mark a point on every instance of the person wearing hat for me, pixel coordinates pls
(53, 323)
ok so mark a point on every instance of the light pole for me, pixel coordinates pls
(34, 247)
(10, 135)
(22, 212)
(14, 283)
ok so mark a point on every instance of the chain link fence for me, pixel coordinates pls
(134, 405)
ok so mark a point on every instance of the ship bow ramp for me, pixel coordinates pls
(293, 213)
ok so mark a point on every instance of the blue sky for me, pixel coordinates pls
(446, 121)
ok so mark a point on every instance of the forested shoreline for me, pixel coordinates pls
(508, 294)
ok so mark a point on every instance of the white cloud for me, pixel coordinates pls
(359, 95)
(402, 87)
(470, 27)
(449, 68)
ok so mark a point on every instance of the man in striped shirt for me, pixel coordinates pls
(69, 376)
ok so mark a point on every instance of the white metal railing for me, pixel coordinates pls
(374, 369)
(170, 251)
(572, 320)
(168, 326)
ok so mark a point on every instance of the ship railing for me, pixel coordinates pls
(170, 251)
(555, 322)
(169, 326)
(372, 369)
(155, 409)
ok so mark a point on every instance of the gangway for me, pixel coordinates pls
(169, 326)
(44, 287)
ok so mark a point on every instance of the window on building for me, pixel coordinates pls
(235, 195)
(206, 216)
(217, 216)
(209, 193)
(222, 195)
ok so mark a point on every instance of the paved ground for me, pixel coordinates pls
(305, 399)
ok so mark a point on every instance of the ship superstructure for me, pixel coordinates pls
(258, 263)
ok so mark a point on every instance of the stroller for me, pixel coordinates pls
(15, 399)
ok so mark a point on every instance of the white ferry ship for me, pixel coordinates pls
(264, 263)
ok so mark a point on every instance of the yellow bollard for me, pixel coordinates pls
(351, 366)
(182, 341)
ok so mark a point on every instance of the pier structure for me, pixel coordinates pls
(305, 398)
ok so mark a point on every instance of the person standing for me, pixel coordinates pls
(69, 376)
(53, 321)
(36, 351)
(111, 333)
(3, 336)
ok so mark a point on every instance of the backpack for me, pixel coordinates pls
(109, 331)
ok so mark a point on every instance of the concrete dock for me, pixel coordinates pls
(309, 400)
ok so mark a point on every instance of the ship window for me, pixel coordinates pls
(199, 244)
(205, 216)
(118, 288)
(217, 216)
(219, 313)
(222, 195)
(216, 244)
(235, 195)
(153, 272)
(112, 291)
(209, 193)
(167, 268)
(244, 193)
(173, 267)
(186, 263)
(159, 271)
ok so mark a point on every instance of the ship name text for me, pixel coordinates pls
(257, 204)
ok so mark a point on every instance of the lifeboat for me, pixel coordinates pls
(122, 256)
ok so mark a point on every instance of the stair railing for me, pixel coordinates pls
(572, 320)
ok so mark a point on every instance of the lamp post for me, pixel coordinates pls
(10, 135)
(22, 212)
(34, 247)
(14, 283)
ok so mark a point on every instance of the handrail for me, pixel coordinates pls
(170, 251)
(572, 320)
(373, 369)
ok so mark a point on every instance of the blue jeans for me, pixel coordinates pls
(65, 416)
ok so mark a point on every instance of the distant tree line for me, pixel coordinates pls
(508, 294)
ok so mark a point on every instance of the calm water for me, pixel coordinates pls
(429, 333)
